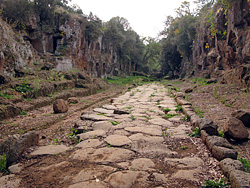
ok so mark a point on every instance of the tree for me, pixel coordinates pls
(93, 28)
(179, 33)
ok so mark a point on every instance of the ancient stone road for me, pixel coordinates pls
(129, 144)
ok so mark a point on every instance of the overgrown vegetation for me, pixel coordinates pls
(216, 183)
(195, 132)
(246, 164)
(3, 163)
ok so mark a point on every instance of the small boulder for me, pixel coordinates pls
(208, 125)
(239, 178)
(228, 165)
(72, 100)
(60, 106)
(235, 129)
(212, 141)
(13, 147)
(243, 115)
(221, 153)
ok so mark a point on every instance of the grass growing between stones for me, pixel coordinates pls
(168, 116)
(246, 164)
(3, 163)
(196, 132)
(216, 183)
(114, 123)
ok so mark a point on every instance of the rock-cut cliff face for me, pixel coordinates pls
(15, 53)
(222, 48)
(62, 45)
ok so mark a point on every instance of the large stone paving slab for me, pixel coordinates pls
(92, 134)
(94, 117)
(93, 173)
(126, 179)
(118, 140)
(142, 164)
(90, 143)
(50, 150)
(146, 138)
(103, 155)
(145, 130)
(187, 162)
(90, 184)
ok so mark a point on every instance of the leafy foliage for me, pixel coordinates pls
(216, 183)
(196, 132)
(3, 163)
(246, 164)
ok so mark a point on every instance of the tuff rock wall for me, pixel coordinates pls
(226, 54)
(62, 45)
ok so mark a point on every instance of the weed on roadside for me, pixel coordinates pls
(166, 110)
(3, 163)
(216, 183)
(178, 108)
(114, 123)
(196, 132)
(199, 112)
(132, 117)
(246, 164)
(168, 116)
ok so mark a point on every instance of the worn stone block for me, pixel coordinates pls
(221, 153)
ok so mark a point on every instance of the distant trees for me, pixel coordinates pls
(179, 34)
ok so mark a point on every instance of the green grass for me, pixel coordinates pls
(168, 116)
(166, 110)
(196, 132)
(199, 112)
(229, 105)
(3, 163)
(184, 147)
(114, 123)
(178, 108)
(216, 183)
(7, 96)
(246, 164)
(132, 117)
(23, 113)
(128, 80)
(199, 81)
(24, 88)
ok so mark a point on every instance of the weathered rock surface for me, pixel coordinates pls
(126, 179)
(239, 179)
(208, 125)
(90, 143)
(92, 134)
(229, 165)
(60, 106)
(235, 129)
(103, 155)
(212, 141)
(50, 150)
(92, 173)
(118, 140)
(145, 130)
(243, 115)
(221, 153)
(187, 162)
(142, 164)
(73, 100)
(13, 147)
(94, 117)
